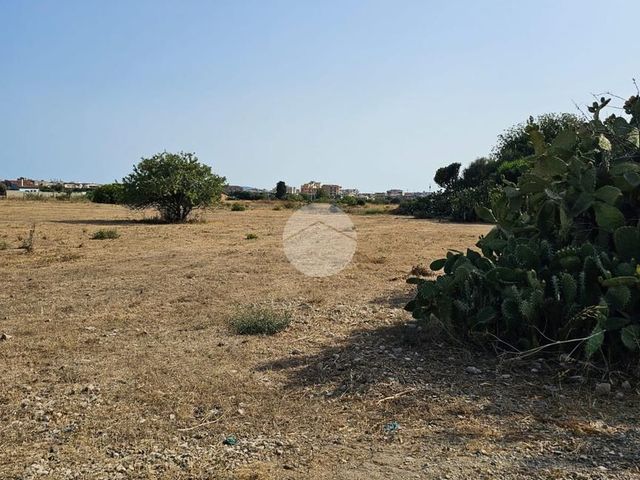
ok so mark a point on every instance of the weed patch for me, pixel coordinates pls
(255, 320)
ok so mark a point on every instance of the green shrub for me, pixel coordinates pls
(561, 266)
(256, 320)
(348, 201)
(238, 207)
(107, 234)
(456, 205)
(251, 236)
(35, 197)
(374, 211)
(174, 184)
(112, 193)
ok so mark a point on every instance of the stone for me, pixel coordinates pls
(603, 389)
(473, 370)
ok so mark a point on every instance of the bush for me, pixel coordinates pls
(349, 201)
(238, 207)
(561, 267)
(109, 234)
(172, 183)
(251, 236)
(111, 193)
(255, 320)
(244, 195)
(456, 205)
(374, 211)
(28, 244)
(3, 245)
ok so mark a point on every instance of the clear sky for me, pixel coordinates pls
(367, 94)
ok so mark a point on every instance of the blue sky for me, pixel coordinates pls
(367, 94)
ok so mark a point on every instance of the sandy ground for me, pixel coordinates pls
(119, 362)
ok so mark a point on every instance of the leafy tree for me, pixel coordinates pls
(515, 144)
(478, 171)
(173, 183)
(281, 190)
(107, 193)
(3, 189)
(446, 177)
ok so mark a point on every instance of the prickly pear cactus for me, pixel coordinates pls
(562, 261)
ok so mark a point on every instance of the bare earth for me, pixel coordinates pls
(120, 362)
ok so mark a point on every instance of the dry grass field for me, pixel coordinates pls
(118, 362)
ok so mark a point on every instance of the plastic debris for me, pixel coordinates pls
(392, 427)
(230, 440)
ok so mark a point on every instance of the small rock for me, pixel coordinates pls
(626, 385)
(603, 389)
(577, 379)
(5, 336)
(91, 388)
(473, 370)
(619, 396)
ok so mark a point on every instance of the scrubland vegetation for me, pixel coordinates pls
(191, 348)
(560, 268)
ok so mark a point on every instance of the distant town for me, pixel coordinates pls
(312, 189)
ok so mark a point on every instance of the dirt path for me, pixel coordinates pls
(121, 364)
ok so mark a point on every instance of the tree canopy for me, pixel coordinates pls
(445, 177)
(281, 190)
(514, 143)
(173, 183)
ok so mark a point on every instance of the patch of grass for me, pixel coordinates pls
(3, 245)
(277, 208)
(257, 320)
(108, 234)
(238, 207)
(421, 271)
(251, 236)
(374, 211)
(27, 243)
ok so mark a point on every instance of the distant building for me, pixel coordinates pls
(331, 190)
(410, 195)
(292, 190)
(394, 193)
(310, 188)
(350, 192)
(22, 184)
